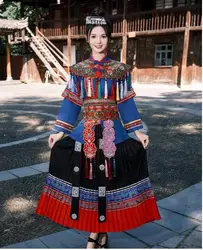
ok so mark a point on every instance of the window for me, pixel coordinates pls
(164, 4)
(163, 54)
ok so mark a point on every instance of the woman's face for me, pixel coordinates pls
(98, 40)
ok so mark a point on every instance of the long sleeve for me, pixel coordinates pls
(70, 108)
(127, 107)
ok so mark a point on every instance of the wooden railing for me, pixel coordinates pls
(196, 17)
(173, 19)
(54, 28)
(117, 24)
(157, 20)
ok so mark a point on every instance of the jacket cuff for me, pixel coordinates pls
(133, 125)
(65, 127)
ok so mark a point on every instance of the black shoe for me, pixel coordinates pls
(94, 241)
(105, 245)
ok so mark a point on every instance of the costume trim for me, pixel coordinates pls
(67, 126)
(100, 112)
(133, 194)
(99, 102)
(130, 94)
(108, 69)
(89, 137)
(133, 124)
(69, 95)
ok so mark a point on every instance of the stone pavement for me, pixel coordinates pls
(180, 227)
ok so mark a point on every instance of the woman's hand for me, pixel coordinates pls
(144, 139)
(53, 138)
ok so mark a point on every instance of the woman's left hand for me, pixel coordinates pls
(144, 139)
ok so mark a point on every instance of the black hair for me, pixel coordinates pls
(107, 27)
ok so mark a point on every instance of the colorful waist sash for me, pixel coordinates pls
(100, 110)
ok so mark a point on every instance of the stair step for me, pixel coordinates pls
(49, 60)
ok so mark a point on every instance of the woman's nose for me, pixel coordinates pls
(98, 40)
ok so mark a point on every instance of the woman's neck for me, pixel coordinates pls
(98, 56)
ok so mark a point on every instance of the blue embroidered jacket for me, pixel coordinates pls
(104, 90)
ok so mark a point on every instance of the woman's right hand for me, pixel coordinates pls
(53, 138)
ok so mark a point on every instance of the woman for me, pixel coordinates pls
(98, 176)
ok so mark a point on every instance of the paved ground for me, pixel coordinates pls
(173, 120)
(180, 227)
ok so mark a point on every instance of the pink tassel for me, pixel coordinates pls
(91, 172)
(106, 169)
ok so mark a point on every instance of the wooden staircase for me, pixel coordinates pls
(47, 52)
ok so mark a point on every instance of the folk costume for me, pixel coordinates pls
(98, 176)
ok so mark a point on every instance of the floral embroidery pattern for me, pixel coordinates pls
(109, 147)
(111, 69)
(132, 195)
(100, 112)
(90, 148)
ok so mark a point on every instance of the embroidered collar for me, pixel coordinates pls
(105, 68)
(98, 65)
(101, 62)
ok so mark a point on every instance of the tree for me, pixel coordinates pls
(12, 10)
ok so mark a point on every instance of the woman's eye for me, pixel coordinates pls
(104, 36)
(92, 36)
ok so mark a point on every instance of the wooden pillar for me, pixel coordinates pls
(134, 72)
(37, 18)
(69, 36)
(183, 79)
(8, 62)
(25, 60)
(125, 38)
(193, 53)
(24, 47)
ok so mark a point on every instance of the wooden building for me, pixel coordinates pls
(7, 28)
(160, 38)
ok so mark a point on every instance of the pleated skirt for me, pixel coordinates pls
(101, 204)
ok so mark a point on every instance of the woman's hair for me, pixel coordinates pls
(99, 12)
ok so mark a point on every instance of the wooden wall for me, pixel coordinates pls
(141, 54)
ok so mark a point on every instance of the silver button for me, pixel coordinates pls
(75, 191)
(76, 169)
(74, 216)
(102, 218)
(78, 146)
(102, 191)
(101, 167)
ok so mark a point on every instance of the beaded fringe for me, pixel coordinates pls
(84, 87)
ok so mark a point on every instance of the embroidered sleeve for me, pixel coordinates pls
(70, 107)
(126, 105)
